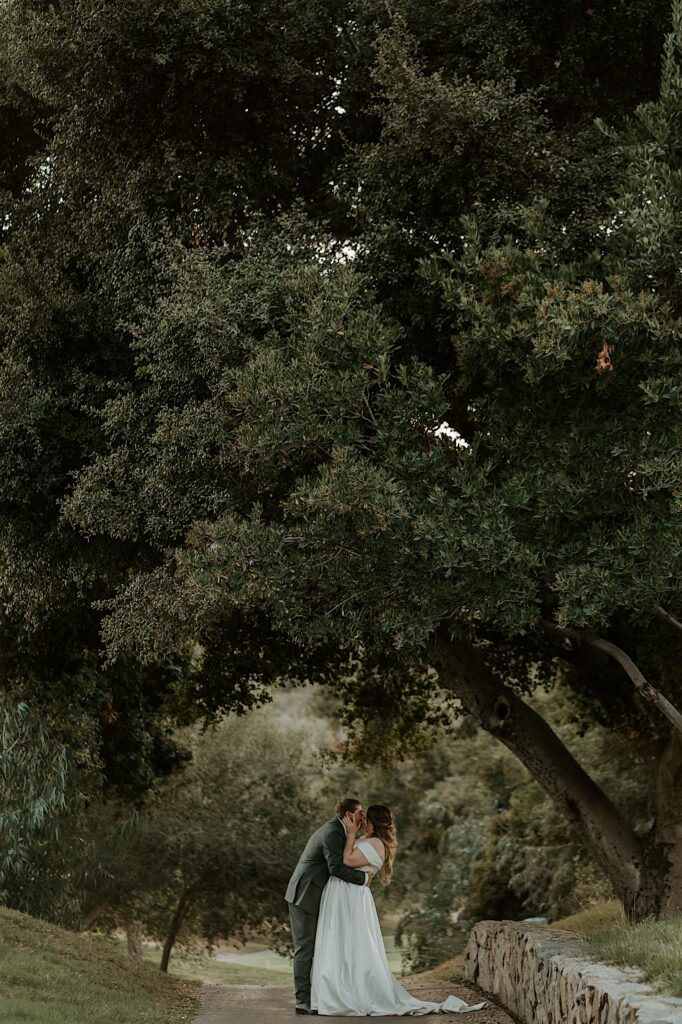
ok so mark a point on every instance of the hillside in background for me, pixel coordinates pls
(49, 975)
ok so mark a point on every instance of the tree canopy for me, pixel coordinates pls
(360, 361)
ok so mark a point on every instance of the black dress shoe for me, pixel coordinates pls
(306, 1010)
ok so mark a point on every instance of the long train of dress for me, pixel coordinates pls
(351, 976)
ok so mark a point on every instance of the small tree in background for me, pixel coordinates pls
(213, 847)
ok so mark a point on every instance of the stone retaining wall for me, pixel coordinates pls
(545, 976)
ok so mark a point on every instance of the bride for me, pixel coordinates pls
(351, 976)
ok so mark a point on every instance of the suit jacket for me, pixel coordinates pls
(322, 857)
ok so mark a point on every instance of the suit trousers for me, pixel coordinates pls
(303, 928)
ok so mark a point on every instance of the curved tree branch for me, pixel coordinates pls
(641, 683)
(667, 617)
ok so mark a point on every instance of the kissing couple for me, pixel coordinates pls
(340, 965)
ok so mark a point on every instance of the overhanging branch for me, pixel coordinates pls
(637, 677)
(667, 617)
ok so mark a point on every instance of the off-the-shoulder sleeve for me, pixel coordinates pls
(370, 852)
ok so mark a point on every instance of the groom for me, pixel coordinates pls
(322, 857)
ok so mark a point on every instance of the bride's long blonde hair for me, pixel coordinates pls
(385, 830)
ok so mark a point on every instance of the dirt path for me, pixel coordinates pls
(233, 1004)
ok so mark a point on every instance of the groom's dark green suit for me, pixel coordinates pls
(321, 858)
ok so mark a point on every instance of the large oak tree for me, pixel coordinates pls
(264, 257)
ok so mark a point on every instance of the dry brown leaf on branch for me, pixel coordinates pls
(604, 358)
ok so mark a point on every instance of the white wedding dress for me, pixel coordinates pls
(351, 976)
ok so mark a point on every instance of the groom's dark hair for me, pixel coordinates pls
(346, 806)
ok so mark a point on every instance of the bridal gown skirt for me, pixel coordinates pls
(351, 976)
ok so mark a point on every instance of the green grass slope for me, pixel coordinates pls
(593, 922)
(655, 947)
(51, 976)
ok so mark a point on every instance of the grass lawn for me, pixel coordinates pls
(655, 947)
(253, 963)
(51, 976)
(215, 972)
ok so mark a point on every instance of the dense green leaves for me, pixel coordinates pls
(203, 110)
(40, 792)
(321, 327)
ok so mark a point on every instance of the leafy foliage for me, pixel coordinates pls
(39, 796)
(304, 356)
(217, 840)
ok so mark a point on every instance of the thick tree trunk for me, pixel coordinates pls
(608, 837)
(176, 920)
(665, 848)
